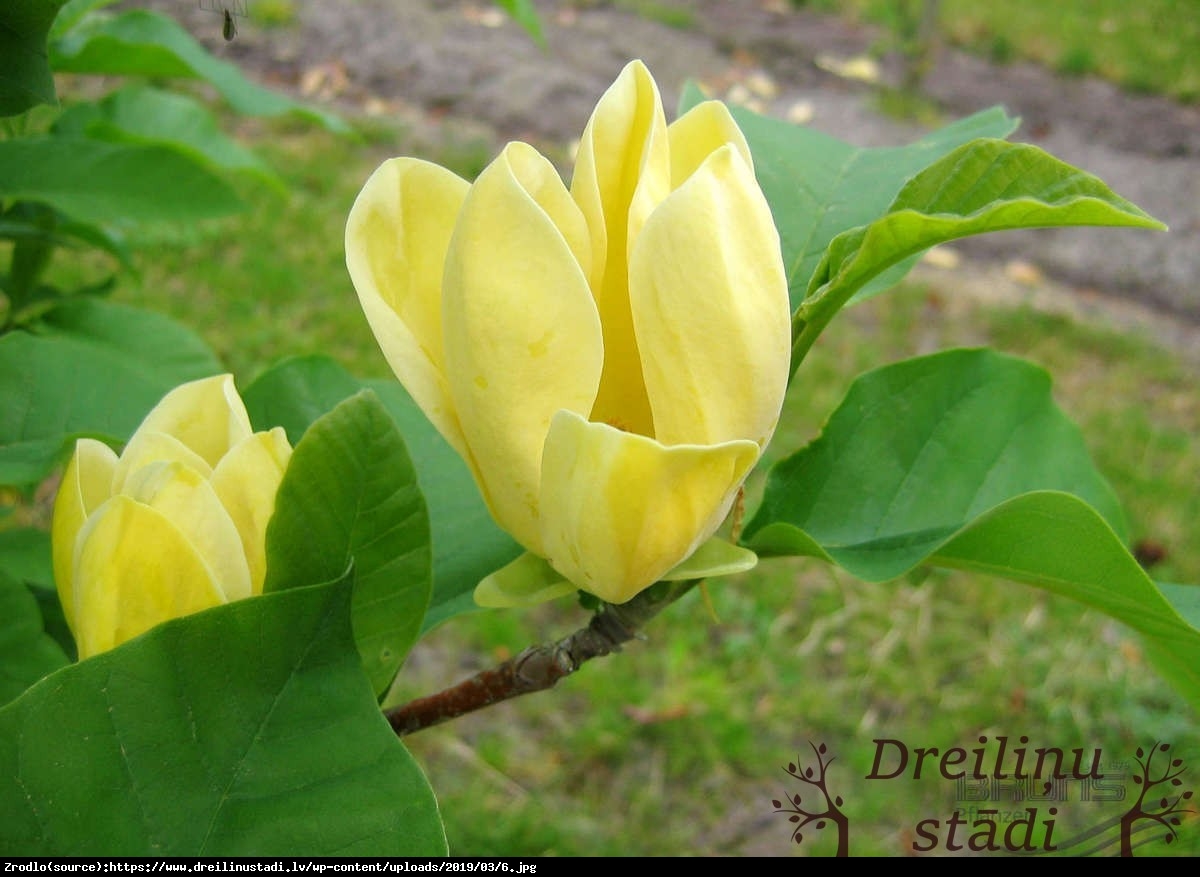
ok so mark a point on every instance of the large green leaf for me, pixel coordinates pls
(97, 181)
(819, 186)
(25, 555)
(94, 368)
(141, 43)
(25, 76)
(245, 730)
(350, 495)
(986, 185)
(296, 392)
(27, 653)
(467, 544)
(962, 459)
(140, 114)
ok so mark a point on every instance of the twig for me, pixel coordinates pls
(539, 667)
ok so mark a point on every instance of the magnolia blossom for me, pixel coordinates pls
(175, 524)
(609, 360)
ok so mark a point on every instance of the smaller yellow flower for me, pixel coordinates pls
(176, 524)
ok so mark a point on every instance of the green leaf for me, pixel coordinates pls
(148, 116)
(100, 182)
(25, 76)
(94, 368)
(26, 652)
(527, 581)
(296, 392)
(917, 450)
(25, 555)
(248, 729)
(31, 253)
(21, 222)
(524, 13)
(819, 186)
(986, 185)
(467, 544)
(961, 459)
(1185, 599)
(713, 559)
(350, 495)
(74, 11)
(141, 43)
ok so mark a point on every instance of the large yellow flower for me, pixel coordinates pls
(609, 360)
(177, 523)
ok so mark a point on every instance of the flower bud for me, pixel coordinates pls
(175, 524)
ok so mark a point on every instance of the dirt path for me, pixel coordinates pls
(466, 60)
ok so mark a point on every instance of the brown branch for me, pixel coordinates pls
(538, 668)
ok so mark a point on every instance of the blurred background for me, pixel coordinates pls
(680, 744)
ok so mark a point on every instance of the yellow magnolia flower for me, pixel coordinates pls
(610, 360)
(175, 524)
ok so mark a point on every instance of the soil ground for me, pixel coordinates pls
(444, 59)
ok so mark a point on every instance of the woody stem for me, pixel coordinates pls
(539, 667)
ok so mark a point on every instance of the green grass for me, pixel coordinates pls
(678, 744)
(663, 13)
(1149, 46)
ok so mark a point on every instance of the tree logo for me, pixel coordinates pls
(1165, 810)
(821, 808)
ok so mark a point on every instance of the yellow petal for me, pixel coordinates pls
(134, 570)
(711, 309)
(620, 510)
(699, 133)
(396, 240)
(86, 484)
(246, 482)
(522, 335)
(207, 416)
(148, 447)
(186, 499)
(622, 172)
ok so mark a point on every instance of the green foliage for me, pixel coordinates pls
(961, 459)
(958, 460)
(25, 76)
(145, 115)
(245, 730)
(350, 497)
(986, 185)
(93, 368)
(26, 652)
(139, 155)
(467, 545)
(818, 186)
(102, 182)
(141, 43)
